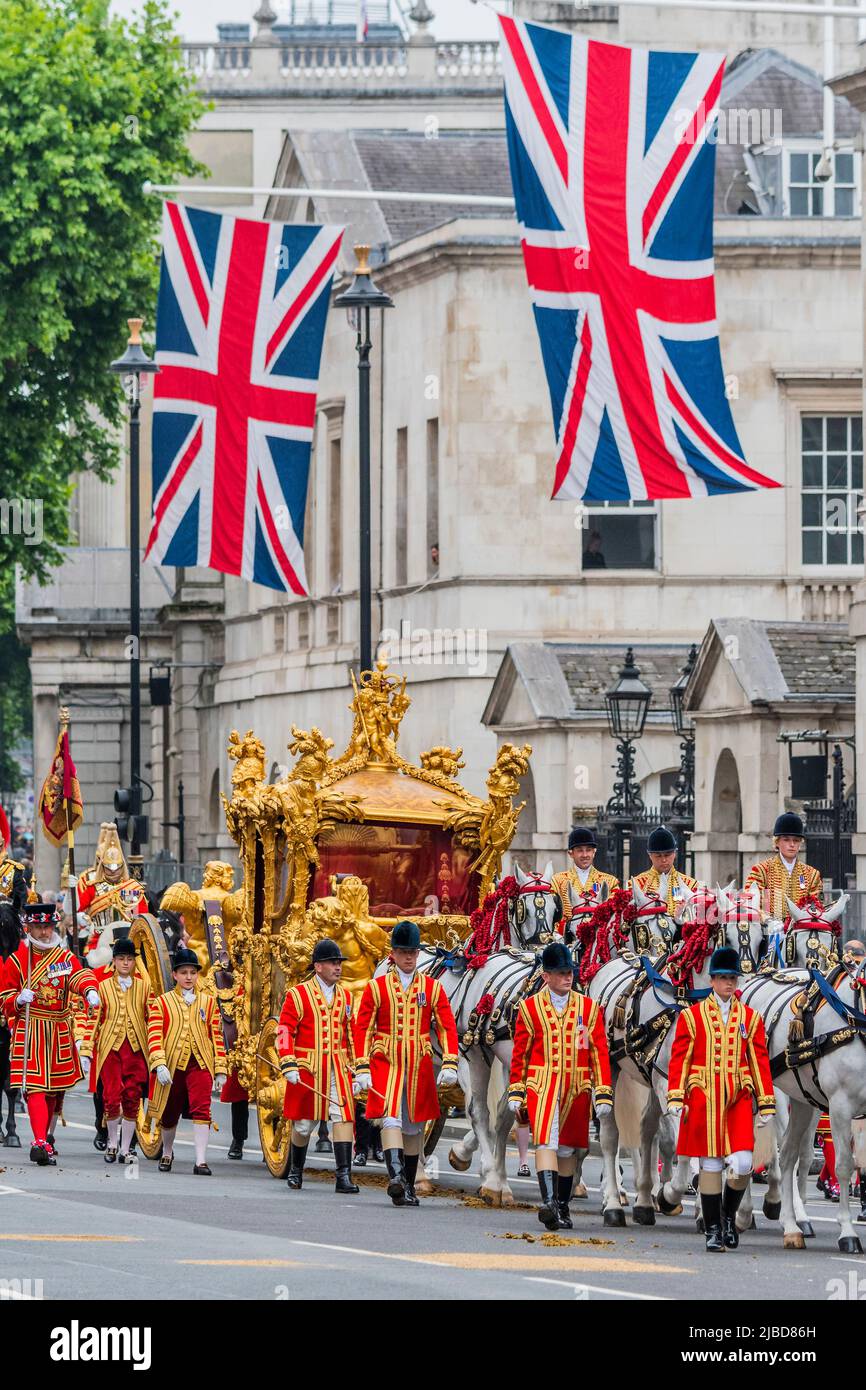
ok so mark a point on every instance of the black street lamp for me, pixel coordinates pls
(626, 704)
(362, 296)
(134, 364)
(683, 803)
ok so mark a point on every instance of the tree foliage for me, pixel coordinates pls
(90, 107)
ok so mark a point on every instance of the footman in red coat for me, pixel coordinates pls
(719, 1074)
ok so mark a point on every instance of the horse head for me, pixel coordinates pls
(582, 906)
(812, 934)
(653, 929)
(742, 926)
(536, 909)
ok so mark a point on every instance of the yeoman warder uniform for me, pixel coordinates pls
(719, 1072)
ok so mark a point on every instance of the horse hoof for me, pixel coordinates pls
(491, 1197)
(423, 1187)
(793, 1240)
(644, 1216)
(580, 1192)
(506, 1198)
(807, 1229)
(12, 1142)
(461, 1164)
(850, 1245)
(613, 1216)
(772, 1210)
(665, 1207)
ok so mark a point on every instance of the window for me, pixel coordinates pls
(619, 536)
(332, 631)
(279, 632)
(401, 557)
(432, 497)
(832, 489)
(808, 196)
(304, 628)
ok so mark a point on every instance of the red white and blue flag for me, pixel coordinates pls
(239, 330)
(612, 155)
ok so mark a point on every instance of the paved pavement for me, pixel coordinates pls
(89, 1230)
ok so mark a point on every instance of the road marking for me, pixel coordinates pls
(479, 1259)
(248, 1264)
(12, 1191)
(12, 1235)
(849, 1259)
(598, 1288)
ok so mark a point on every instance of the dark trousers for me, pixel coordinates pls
(240, 1120)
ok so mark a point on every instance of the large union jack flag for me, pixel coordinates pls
(239, 329)
(613, 174)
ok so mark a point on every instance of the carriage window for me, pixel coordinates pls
(409, 871)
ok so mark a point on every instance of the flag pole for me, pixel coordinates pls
(71, 883)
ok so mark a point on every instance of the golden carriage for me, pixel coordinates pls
(342, 847)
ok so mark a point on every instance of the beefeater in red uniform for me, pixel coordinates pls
(560, 1056)
(719, 1072)
(37, 984)
(394, 1057)
(317, 1055)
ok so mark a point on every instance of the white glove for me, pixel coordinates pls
(25, 997)
(163, 1076)
(219, 1081)
(603, 1110)
(293, 1077)
(361, 1083)
(675, 1107)
(447, 1077)
(85, 1065)
(92, 998)
(763, 1120)
(515, 1105)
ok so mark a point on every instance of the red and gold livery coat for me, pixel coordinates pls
(316, 1037)
(123, 1016)
(716, 1070)
(393, 1040)
(594, 881)
(56, 977)
(679, 886)
(776, 884)
(558, 1059)
(178, 1033)
(98, 895)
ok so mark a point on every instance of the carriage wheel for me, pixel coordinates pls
(274, 1130)
(433, 1133)
(148, 939)
(149, 1132)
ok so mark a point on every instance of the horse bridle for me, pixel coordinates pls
(540, 889)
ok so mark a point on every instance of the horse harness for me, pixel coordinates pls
(803, 1050)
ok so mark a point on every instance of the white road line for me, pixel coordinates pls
(598, 1288)
(13, 1191)
(848, 1259)
(352, 1250)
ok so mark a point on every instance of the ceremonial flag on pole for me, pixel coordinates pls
(59, 789)
(612, 154)
(239, 329)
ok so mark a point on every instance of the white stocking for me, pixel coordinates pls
(113, 1127)
(201, 1134)
(127, 1129)
(168, 1142)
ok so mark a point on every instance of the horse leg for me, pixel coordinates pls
(840, 1123)
(579, 1190)
(772, 1207)
(479, 1115)
(12, 1140)
(613, 1214)
(501, 1130)
(671, 1190)
(643, 1210)
(801, 1183)
(801, 1116)
(461, 1152)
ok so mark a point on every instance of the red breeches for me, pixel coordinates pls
(124, 1078)
(189, 1096)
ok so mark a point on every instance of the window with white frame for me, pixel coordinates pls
(806, 195)
(619, 536)
(831, 451)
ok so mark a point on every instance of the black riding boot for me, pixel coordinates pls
(711, 1206)
(343, 1160)
(323, 1142)
(411, 1165)
(240, 1127)
(731, 1201)
(297, 1159)
(548, 1212)
(397, 1182)
(564, 1184)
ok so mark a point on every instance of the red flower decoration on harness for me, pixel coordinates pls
(489, 923)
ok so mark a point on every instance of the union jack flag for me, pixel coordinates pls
(612, 159)
(240, 322)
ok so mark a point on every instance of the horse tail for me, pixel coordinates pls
(858, 1132)
(628, 1106)
(765, 1146)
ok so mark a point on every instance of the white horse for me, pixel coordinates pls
(816, 1028)
(484, 997)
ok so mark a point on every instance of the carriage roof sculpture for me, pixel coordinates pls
(343, 847)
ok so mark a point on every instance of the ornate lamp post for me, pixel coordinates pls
(626, 704)
(683, 803)
(362, 296)
(134, 364)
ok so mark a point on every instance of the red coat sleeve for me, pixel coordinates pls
(599, 1057)
(365, 1025)
(287, 1028)
(523, 1034)
(759, 1065)
(10, 987)
(83, 979)
(445, 1026)
(681, 1056)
